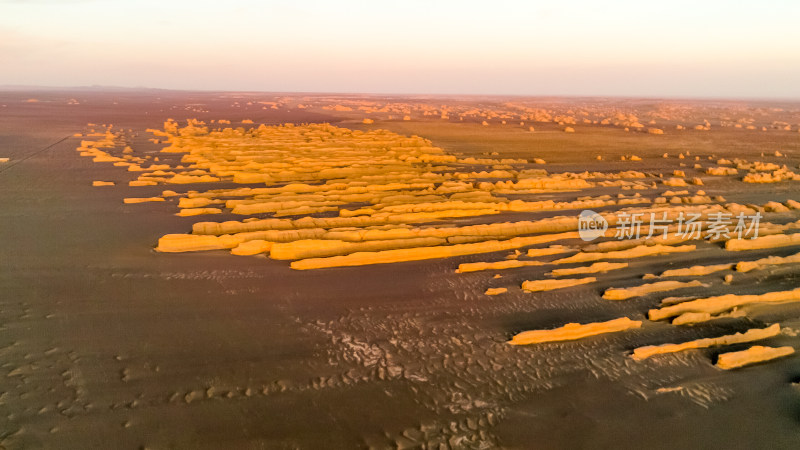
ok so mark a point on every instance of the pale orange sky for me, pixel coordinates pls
(679, 48)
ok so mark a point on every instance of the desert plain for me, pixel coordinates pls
(256, 270)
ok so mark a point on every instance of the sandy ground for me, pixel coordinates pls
(106, 343)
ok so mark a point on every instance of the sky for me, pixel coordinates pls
(704, 49)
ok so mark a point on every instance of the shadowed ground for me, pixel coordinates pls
(107, 343)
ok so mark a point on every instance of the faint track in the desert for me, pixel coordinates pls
(37, 152)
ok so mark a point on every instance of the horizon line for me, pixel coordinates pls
(100, 88)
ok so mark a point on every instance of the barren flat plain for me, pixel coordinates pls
(254, 270)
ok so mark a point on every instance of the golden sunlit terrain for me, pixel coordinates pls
(408, 272)
(417, 225)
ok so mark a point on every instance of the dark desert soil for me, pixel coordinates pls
(105, 343)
